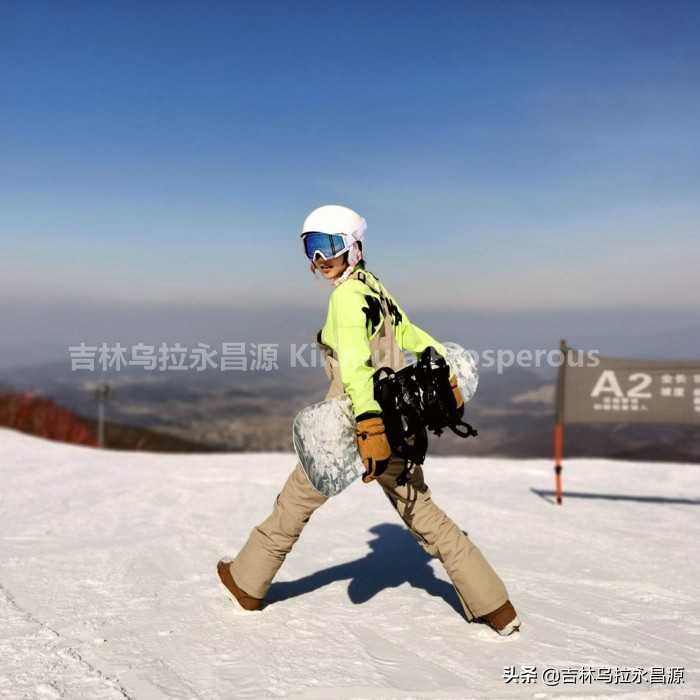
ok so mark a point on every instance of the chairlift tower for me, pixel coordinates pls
(102, 393)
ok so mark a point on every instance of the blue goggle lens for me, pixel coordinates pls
(327, 245)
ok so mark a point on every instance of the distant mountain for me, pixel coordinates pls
(253, 411)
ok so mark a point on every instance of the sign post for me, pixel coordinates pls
(593, 389)
(559, 424)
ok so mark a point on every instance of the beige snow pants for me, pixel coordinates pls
(479, 588)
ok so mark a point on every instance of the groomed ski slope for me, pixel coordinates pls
(108, 587)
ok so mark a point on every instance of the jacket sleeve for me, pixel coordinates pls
(414, 339)
(351, 345)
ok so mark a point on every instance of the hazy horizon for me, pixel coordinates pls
(36, 333)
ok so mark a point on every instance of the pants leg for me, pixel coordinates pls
(270, 542)
(479, 588)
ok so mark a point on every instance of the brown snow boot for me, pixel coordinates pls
(504, 619)
(240, 597)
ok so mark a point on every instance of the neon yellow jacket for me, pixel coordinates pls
(355, 316)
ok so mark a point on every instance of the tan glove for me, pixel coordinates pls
(458, 395)
(373, 446)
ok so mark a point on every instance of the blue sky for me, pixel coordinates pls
(506, 155)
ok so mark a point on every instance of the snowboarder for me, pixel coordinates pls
(365, 329)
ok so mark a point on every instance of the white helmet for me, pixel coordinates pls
(335, 219)
(332, 230)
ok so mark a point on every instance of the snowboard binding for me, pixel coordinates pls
(417, 399)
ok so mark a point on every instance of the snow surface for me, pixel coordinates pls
(108, 586)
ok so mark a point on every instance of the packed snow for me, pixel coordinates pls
(108, 586)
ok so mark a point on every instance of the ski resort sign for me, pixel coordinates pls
(616, 390)
(628, 391)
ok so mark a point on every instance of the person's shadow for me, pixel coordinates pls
(395, 558)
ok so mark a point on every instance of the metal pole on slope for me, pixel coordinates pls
(559, 423)
(102, 393)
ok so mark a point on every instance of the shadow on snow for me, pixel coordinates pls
(395, 558)
(549, 496)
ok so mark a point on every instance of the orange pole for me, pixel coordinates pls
(558, 454)
(559, 422)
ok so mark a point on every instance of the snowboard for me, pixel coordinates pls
(324, 433)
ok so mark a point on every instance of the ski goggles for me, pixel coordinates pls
(327, 245)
